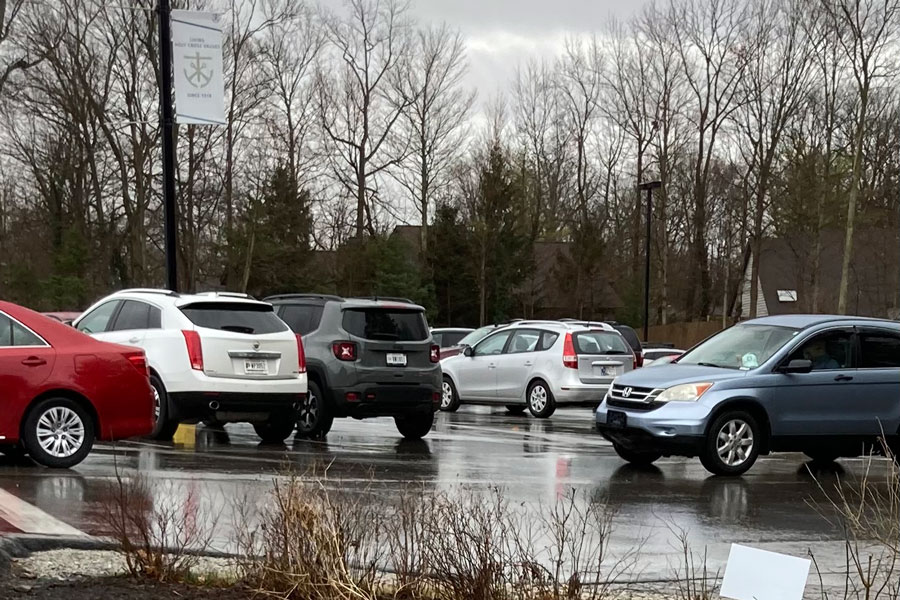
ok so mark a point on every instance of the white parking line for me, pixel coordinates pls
(28, 518)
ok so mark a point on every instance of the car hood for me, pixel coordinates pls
(664, 376)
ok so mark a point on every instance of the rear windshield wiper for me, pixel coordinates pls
(237, 328)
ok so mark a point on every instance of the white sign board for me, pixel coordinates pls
(753, 574)
(197, 67)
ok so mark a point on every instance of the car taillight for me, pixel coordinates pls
(301, 355)
(570, 359)
(638, 359)
(139, 362)
(344, 351)
(435, 354)
(194, 349)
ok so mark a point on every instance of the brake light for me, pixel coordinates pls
(570, 359)
(435, 354)
(139, 362)
(345, 351)
(194, 349)
(301, 355)
(638, 359)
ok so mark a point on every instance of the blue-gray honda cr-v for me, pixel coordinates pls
(828, 386)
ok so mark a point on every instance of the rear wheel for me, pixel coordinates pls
(314, 418)
(276, 429)
(637, 457)
(414, 427)
(449, 397)
(163, 426)
(540, 400)
(58, 433)
(732, 444)
(516, 409)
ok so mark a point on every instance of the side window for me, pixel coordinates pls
(438, 339)
(879, 350)
(155, 318)
(524, 340)
(452, 338)
(548, 338)
(97, 320)
(302, 318)
(492, 345)
(134, 315)
(13, 334)
(828, 351)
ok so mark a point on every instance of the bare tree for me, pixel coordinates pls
(362, 94)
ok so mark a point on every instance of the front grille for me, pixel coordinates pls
(629, 396)
(638, 406)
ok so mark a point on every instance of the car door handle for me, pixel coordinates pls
(34, 361)
(528, 363)
(134, 340)
(843, 378)
(492, 366)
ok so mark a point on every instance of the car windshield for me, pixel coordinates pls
(476, 336)
(740, 347)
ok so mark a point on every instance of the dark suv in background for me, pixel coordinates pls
(365, 357)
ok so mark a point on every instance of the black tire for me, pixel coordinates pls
(75, 427)
(540, 399)
(709, 455)
(414, 427)
(516, 409)
(449, 396)
(164, 427)
(276, 429)
(314, 417)
(821, 457)
(641, 458)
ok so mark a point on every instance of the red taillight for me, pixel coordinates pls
(301, 355)
(570, 359)
(638, 359)
(194, 349)
(435, 354)
(139, 361)
(344, 351)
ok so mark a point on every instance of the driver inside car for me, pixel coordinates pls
(818, 354)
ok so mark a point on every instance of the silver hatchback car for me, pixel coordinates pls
(537, 365)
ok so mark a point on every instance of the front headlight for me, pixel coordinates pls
(689, 392)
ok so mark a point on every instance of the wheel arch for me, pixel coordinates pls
(72, 395)
(754, 408)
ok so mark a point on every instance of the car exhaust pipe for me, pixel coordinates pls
(214, 405)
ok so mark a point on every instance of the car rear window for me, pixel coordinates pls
(630, 336)
(600, 342)
(236, 317)
(386, 324)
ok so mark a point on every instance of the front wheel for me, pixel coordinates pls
(314, 418)
(58, 433)
(414, 427)
(642, 458)
(732, 444)
(540, 400)
(276, 429)
(449, 397)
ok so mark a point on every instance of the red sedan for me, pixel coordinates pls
(61, 389)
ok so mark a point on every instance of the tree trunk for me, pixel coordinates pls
(852, 200)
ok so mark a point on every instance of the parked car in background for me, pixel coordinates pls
(60, 389)
(368, 357)
(447, 337)
(632, 338)
(654, 356)
(216, 357)
(537, 365)
(471, 339)
(823, 385)
(64, 317)
(662, 360)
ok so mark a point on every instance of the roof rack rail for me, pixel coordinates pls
(161, 291)
(384, 298)
(301, 296)
(226, 294)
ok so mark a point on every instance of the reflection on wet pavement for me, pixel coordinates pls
(533, 461)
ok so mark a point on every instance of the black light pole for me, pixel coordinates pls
(167, 121)
(649, 186)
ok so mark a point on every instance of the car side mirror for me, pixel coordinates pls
(798, 365)
(469, 351)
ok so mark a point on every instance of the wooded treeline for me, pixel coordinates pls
(761, 117)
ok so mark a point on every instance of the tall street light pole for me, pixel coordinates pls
(167, 122)
(649, 186)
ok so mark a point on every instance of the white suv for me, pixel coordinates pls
(214, 356)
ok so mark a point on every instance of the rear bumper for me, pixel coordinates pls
(580, 394)
(374, 400)
(231, 407)
(190, 382)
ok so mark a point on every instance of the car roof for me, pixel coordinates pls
(349, 302)
(168, 297)
(804, 321)
(561, 325)
(452, 329)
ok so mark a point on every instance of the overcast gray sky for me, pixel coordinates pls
(501, 34)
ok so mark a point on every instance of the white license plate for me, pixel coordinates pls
(606, 371)
(255, 366)
(396, 360)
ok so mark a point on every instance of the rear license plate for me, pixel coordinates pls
(616, 419)
(396, 360)
(255, 367)
(605, 371)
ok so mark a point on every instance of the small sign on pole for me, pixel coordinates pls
(753, 574)
(197, 65)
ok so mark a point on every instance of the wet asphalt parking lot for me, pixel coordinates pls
(534, 461)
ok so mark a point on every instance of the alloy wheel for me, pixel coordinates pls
(157, 404)
(446, 395)
(734, 442)
(60, 432)
(309, 411)
(538, 398)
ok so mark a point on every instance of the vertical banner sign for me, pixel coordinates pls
(197, 66)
